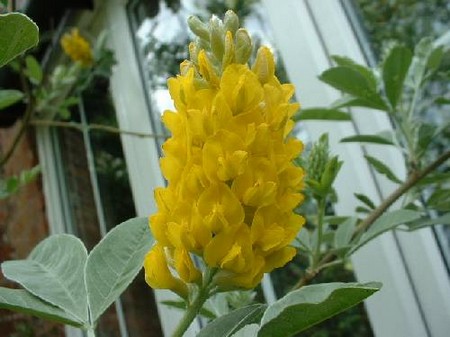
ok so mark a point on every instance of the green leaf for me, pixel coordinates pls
(304, 240)
(352, 82)
(386, 222)
(310, 305)
(18, 34)
(54, 272)
(395, 69)
(322, 114)
(27, 176)
(383, 169)
(114, 263)
(435, 58)
(344, 232)
(9, 97)
(352, 101)
(22, 301)
(426, 222)
(33, 70)
(427, 132)
(375, 139)
(182, 306)
(364, 71)
(435, 178)
(442, 100)
(227, 325)
(250, 330)
(365, 200)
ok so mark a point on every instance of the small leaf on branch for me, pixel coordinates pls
(386, 222)
(383, 169)
(426, 222)
(364, 71)
(322, 114)
(33, 70)
(375, 139)
(351, 82)
(9, 97)
(365, 200)
(395, 68)
(344, 232)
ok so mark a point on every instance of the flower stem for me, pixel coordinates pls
(321, 211)
(194, 307)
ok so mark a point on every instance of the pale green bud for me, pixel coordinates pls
(217, 37)
(231, 22)
(243, 48)
(228, 55)
(198, 27)
(318, 158)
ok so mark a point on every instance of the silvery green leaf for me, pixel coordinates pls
(22, 301)
(385, 223)
(250, 330)
(54, 272)
(395, 69)
(227, 325)
(310, 305)
(344, 232)
(115, 262)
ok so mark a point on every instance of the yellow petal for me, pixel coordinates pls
(158, 275)
(185, 267)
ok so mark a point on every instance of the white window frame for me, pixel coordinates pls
(415, 299)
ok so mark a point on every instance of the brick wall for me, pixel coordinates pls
(23, 225)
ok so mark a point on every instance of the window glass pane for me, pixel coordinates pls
(99, 198)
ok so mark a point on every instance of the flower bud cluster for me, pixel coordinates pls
(77, 48)
(232, 185)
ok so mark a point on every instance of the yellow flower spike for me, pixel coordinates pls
(232, 184)
(158, 275)
(77, 48)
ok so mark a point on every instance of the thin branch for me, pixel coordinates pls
(413, 179)
(90, 127)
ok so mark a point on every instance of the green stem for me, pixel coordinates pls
(195, 306)
(321, 211)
